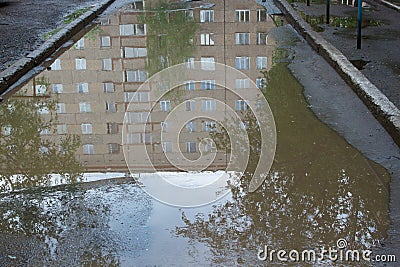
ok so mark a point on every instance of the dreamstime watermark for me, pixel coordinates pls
(338, 253)
(168, 122)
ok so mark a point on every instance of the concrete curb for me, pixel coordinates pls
(390, 5)
(35, 58)
(379, 105)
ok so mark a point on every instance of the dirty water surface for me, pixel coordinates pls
(318, 190)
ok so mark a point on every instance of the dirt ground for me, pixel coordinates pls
(23, 23)
(380, 44)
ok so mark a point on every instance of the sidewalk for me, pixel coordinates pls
(24, 22)
(379, 57)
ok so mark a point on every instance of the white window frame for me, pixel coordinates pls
(105, 41)
(166, 147)
(261, 83)
(107, 64)
(207, 39)
(60, 108)
(190, 63)
(191, 126)
(190, 85)
(208, 63)
(57, 88)
(111, 106)
(208, 85)
(262, 15)
(191, 147)
(61, 129)
(241, 105)
(86, 128)
(242, 83)
(190, 105)
(80, 44)
(108, 87)
(262, 38)
(261, 63)
(208, 105)
(135, 76)
(207, 15)
(56, 65)
(80, 63)
(242, 63)
(165, 105)
(88, 149)
(82, 88)
(133, 52)
(242, 15)
(242, 38)
(84, 107)
(208, 126)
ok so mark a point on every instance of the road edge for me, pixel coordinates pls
(22, 66)
(380, 106)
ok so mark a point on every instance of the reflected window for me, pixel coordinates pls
(86, 128)
(165, 105)
(191, 147)
(261, 83)
(108, 87)
(45, 131)
(137, 96)
(135, 75)
(7, 130)
(164, 126)
(166, 147)
(208, 126)
(189, 85)
(61, 129)
(56, 65)
(190, 105)
(105, 41)
(208, 85)
(190, 63)
(242, 83)
(112, 128)
(80, 44)
(132, 29)
(189, 14)
(206, 15)
(242, 63)
(40, 89)
(137, 5)
(241, 105)
(107, 64)
(262, 15)
(207, 39)
(80, 63)
(138, 117)
(191, 126)
(262, 38)
(133, 52)
(261, 63)
(243, 15)
(242, 38)
(57, 88)
(207, 63)
(83, 88)
(147, 138)
(111, 107)
(60, 108)
(104, 21)
(84, 107)
(208, 105)
(113, 148)
(88, 149)
(43, 109)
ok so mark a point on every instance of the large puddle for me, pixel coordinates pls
(66, 126)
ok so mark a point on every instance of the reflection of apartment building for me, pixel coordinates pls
(97, 77)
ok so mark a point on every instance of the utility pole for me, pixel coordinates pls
(359, 22)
